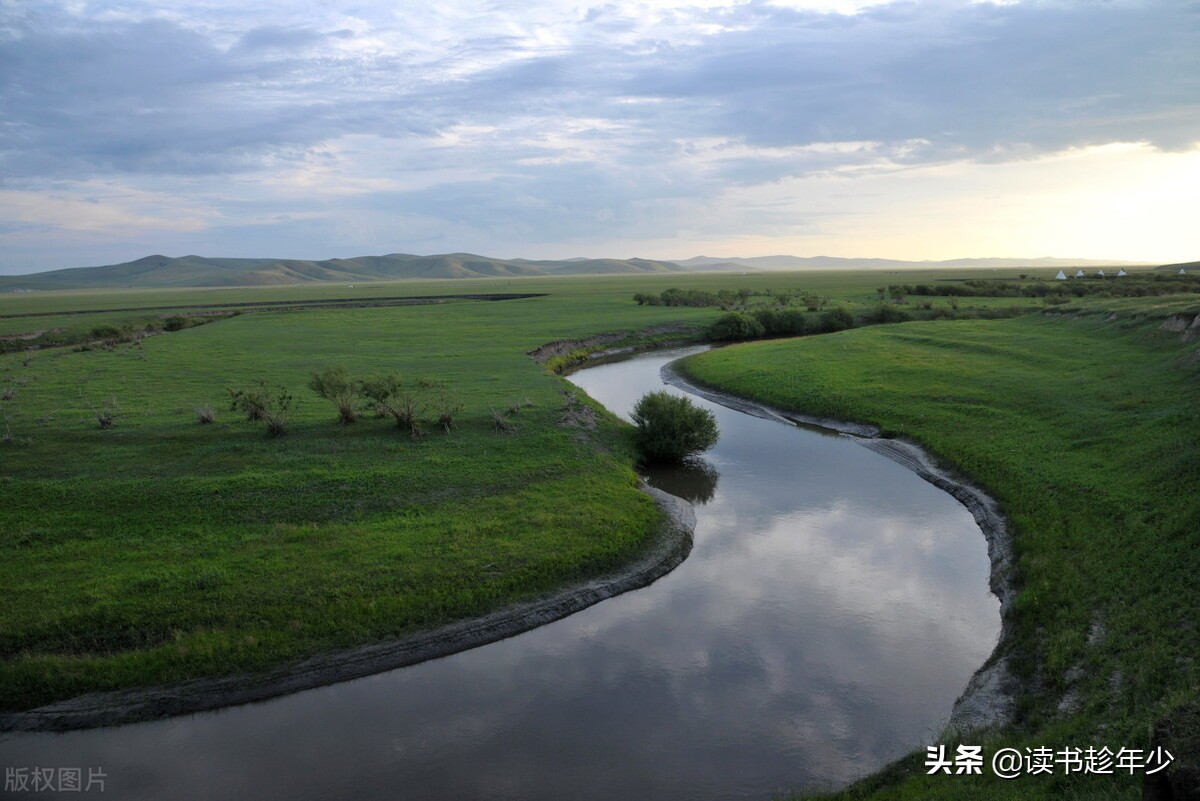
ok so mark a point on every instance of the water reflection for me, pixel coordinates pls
(694, 480)
(832, 609)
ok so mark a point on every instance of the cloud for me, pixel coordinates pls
(567, 120)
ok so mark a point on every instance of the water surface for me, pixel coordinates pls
(833, 608)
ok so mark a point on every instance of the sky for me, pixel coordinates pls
(661, 129)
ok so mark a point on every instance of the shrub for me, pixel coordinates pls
(269, 404)
(334, 385)
(392, 398)
(251, 402)
(8, 393)
(836, 320)
(735, 326)
(448, 408)
(814, 302)
(887, 313)
(670, 427)
(205, 414)
(176, 322)
(107, 332)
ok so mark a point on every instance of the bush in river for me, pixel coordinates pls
(670, 427)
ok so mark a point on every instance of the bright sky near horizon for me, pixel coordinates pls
(667, 129)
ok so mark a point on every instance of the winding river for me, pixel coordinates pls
(832, 609)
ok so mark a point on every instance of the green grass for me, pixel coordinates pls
(1088, 433)
(160, 549)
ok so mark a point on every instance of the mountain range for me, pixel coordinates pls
(159, 271)
(803, 263)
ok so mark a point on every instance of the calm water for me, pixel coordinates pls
(833, 608)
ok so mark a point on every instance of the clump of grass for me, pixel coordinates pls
(335, 385)
(27, 360)
(8, 393)
(106, 414)
(501, 423)
(205, 415)
(520, 404)
(448, 408)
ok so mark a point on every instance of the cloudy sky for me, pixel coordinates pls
(665, 128)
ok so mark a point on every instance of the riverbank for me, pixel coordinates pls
(669, 546)
(1086, 433)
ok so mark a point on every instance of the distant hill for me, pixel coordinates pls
(1190, 266)
(199, 271)
(809, 262)
(156, 272)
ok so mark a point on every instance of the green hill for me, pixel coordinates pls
(159, 271)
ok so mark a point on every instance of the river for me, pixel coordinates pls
(832, 609)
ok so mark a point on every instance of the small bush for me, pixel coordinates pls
(887, 313)
(836, 320)
(249, 401)
(269, 404)
(107, 332)
(448, 408)
(734, 327)
(334, 385)
(205, 415)
(392, 398)
(670, 428)
(782, 323)
(8, 393)
(176, 322)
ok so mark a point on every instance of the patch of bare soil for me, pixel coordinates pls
(561, 347)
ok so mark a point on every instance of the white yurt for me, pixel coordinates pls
(1061, 276)
(1122, 274)
(1100, 273)
(1182, 271)
(1079, 274)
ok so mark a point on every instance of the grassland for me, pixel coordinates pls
(160, 549)
(1086, 429)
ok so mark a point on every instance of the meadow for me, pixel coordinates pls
(1085, 428)
(158, 549)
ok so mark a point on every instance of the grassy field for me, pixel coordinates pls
(160, 549)
(1086, 429)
